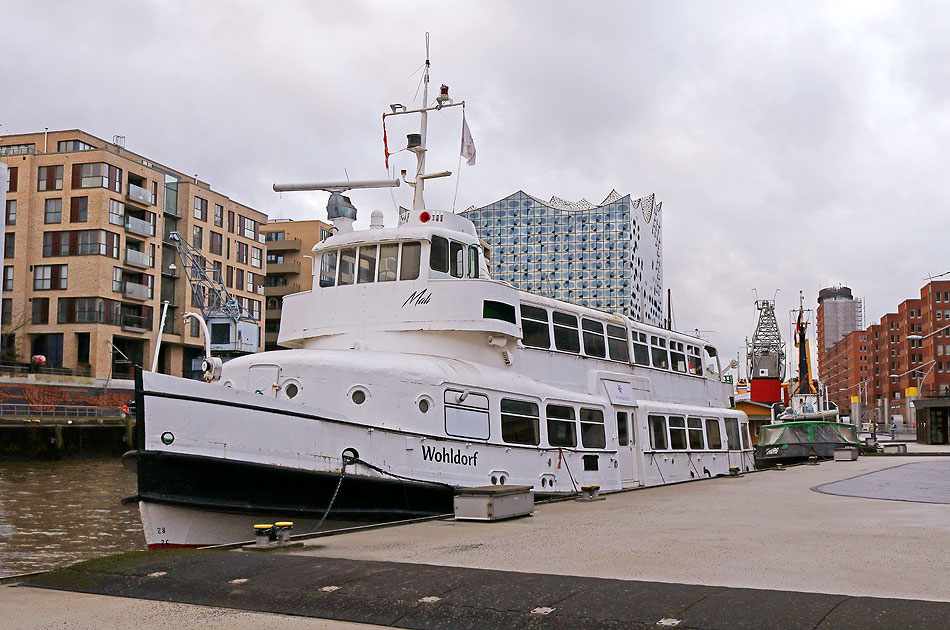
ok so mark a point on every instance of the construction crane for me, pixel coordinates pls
(233, 331)
(766, 356)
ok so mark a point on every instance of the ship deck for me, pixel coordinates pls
(835, 545)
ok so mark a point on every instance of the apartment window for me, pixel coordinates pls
(78, 209)
(11, 211)
(217, 243)
(97, 175)
(46, 277)
(325, 234)
(218, 215)
(53, 211)
(64, 146)
(256, 254)
(239, 279)
(255, 309)
(519, 422)
(231, 221)
(12, 181)
(229, 276)
(8, 277)
(82, 347)
(40, 310)
(201, 208)
(196, 233)
(9, 245)
(49, 178)
(242, 253)
(274, 236)
(248, 228)
(18, 149)
(116, 212)
(6, 311)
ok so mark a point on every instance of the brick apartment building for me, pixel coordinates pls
(888, 360)
(87, 262)
(288, 269)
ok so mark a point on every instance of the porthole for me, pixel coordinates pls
(358, 396)
(424, 405)
(494, 480)
(544, 482)
(291, 390)
(502, 480)
(167, 438)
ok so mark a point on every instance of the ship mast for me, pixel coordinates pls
(805, 383)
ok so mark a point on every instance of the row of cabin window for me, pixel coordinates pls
(370, 263)
(538, 330)
(679, 433)
(520, 424)
(450, 257)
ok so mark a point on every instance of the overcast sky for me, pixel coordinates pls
(794, 145)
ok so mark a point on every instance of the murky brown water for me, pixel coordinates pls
(55, 513)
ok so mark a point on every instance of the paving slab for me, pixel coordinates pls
(921, 482)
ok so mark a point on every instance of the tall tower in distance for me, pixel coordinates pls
(839, 313)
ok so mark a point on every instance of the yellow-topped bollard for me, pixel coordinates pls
(282, 529)
(263, 533)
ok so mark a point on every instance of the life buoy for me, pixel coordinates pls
(125, 409)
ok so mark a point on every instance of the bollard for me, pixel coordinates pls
(589, 493)
(263, 534)
(813, 460)
(734, 471)
(283, 531)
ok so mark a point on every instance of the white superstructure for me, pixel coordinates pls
(411, 372)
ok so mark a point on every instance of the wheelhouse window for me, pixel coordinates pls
(617, 343)
(472, 261)
(694, 427)
(534, 327)
(409, 264)
(519, 422)
(694, 361)
(678, 433)
(328, 269)
(562, 429)
(347, 267)
(498, 310)
(388, 255)
(594, 345)
(661, 358)
(593, 434)
(466, 414)
(456, 259)
(657, 432)
(677, 356)
(713, 436)
(367, 268)
(565, 332)
(641, 352)
(439, 254)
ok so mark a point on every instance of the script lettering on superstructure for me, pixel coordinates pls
(418, 298)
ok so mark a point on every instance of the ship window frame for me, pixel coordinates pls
(366, 275)
(510, 418)
(659, 355)
(439, 253)
(456, 259)
(693, 353)
(571, 342)
(567, 419)
(592, 429)
(693, 431)
(352, 274)
(623, 429)
(595, 344)
(473, 411)
(659, 441)
(678, 441)
(502, 311)
(730, 423)
(678, 361)
(473, 261)
(412, 272)
(379, 263)
(711, 445)
(641, 349)
(532, 327)
(618, 341)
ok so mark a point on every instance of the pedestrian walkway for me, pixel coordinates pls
(923, 482)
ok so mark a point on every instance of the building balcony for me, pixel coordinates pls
(136, 323)
(140, 195)
(271, 314)
(138, 259)
(135, 291)
(287, 267)
(283, 289)
(286, 245)
(138, 226)
(270, 338)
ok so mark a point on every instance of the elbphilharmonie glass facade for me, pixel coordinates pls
(607, 256)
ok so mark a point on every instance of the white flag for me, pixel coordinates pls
(468, 145)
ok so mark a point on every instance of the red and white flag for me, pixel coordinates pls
(468, 145)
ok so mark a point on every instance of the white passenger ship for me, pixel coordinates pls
(413, 373)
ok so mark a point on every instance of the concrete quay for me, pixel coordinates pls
(776, 549)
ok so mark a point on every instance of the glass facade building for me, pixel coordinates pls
(607, 256)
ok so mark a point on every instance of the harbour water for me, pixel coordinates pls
(55, 513)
